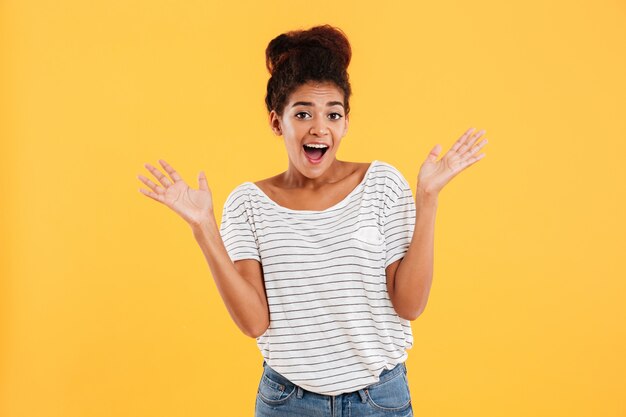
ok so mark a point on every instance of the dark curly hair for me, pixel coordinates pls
(321, 53)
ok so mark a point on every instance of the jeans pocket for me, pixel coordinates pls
(390, 395)
(272, 392)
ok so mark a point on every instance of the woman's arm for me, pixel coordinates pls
(409, 280)
(240, 284)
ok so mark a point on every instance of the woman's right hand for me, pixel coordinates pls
(195, 206)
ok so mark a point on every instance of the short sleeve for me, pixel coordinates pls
(236, 228)
(398, 216)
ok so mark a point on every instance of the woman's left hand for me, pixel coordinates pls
(435, 174)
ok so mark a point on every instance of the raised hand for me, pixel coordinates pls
(195, 206)
(435, 174)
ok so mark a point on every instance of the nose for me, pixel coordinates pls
(318, 128)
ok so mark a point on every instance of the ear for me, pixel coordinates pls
(275, 125)
(345, 128)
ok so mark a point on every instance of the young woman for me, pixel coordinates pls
(327, 263)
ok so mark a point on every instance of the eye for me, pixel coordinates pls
(339, 116)
(299, 113)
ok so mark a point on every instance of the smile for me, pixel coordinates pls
(314, 152)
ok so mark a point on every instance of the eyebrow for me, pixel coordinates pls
(308, 103)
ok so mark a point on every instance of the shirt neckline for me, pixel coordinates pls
(335, 206)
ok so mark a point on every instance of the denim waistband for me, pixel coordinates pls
(385, 375)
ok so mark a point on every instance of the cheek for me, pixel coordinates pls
(293, 132)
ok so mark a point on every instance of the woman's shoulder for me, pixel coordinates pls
(387, 166)
(238, 194)
(267, 184)
(394, 180)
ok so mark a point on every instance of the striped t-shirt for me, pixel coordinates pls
(332, 326)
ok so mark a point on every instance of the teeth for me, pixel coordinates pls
(316, 145)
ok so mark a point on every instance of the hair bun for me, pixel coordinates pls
(324, 39)
(277, 51)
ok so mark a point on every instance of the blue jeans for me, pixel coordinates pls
(279, 397)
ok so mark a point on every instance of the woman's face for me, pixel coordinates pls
(314, 113)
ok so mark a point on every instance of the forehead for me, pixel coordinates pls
(320, 92)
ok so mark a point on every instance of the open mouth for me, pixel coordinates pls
(315, 152)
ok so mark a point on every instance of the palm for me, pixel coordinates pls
(182, 198)
(435, 174)
(194, 206)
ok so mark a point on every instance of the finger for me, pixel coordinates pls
(434, 153)
(202, 183)
(471, 161)
(154, 187)
(461, 140)
(465, 149)
(156, 197)
(170, 170)
(474, 149)
(159, 175)
(470, 141)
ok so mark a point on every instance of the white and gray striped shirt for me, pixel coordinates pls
(332, 327)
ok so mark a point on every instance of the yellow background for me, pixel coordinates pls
(107, 305)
